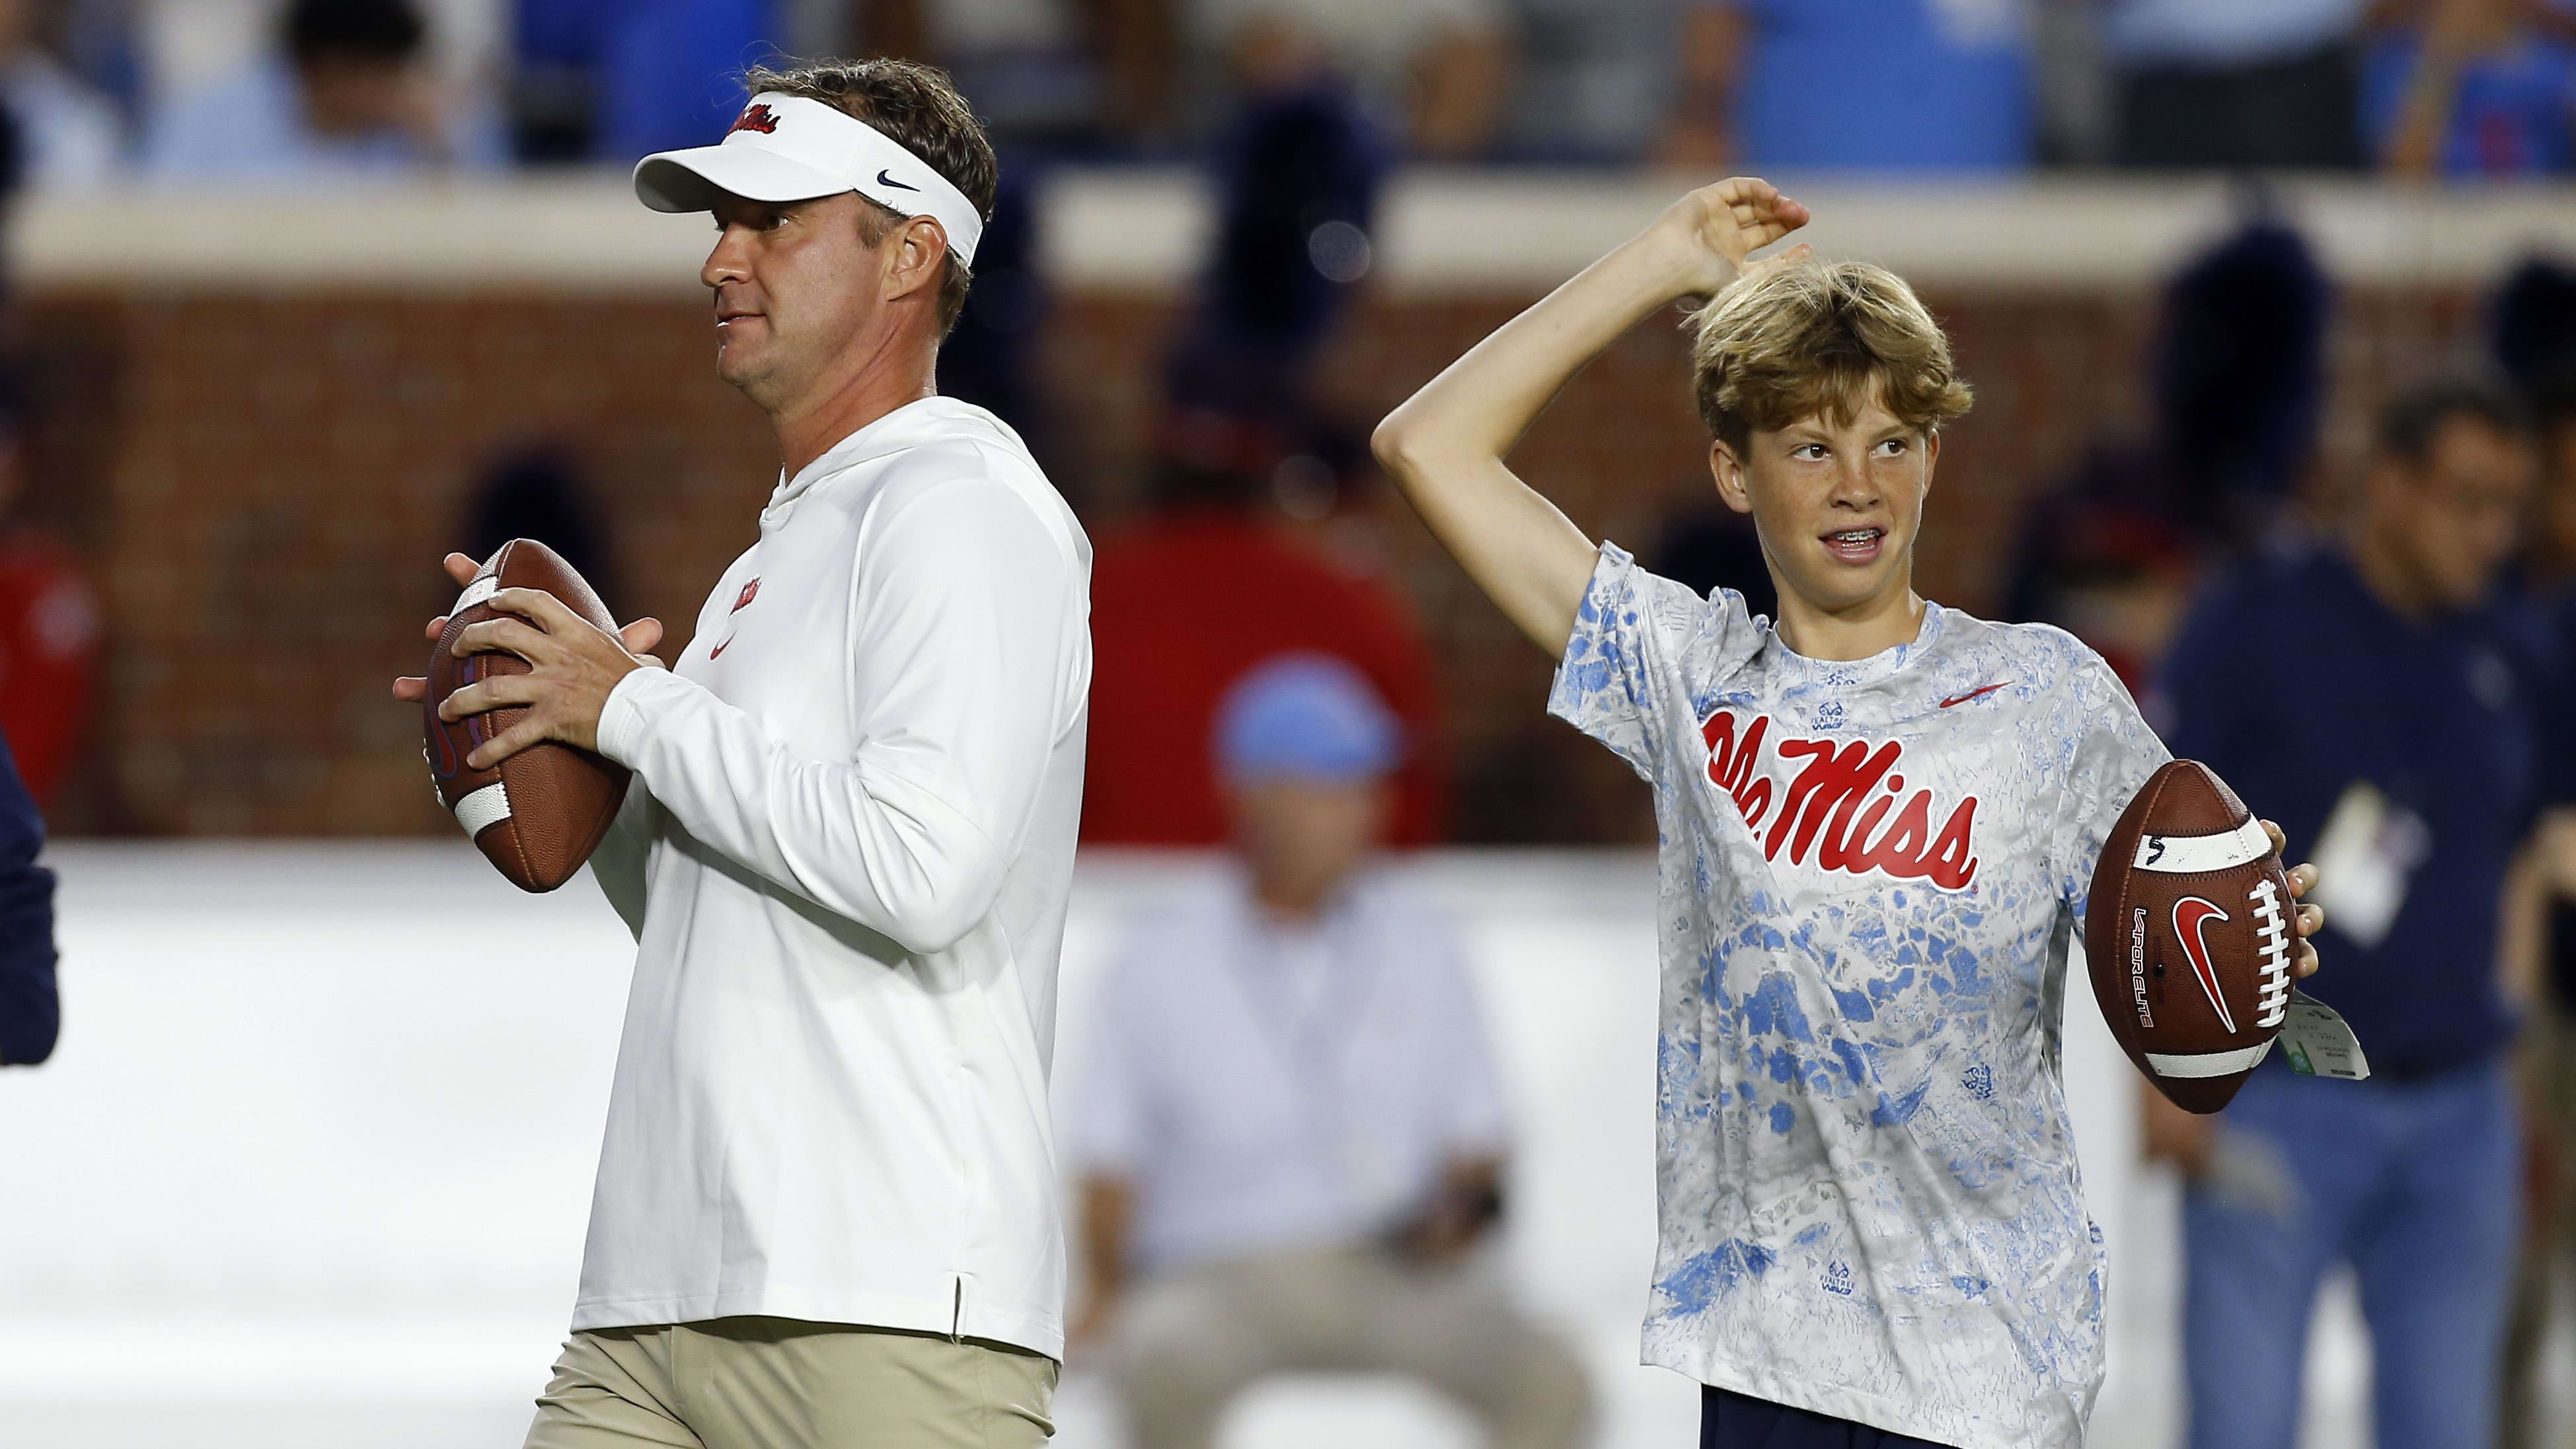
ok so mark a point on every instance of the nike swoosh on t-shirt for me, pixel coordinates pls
(1973, 694)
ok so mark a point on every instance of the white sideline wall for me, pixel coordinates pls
(312, 1165)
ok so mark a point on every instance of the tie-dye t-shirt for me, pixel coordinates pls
(1870, 874)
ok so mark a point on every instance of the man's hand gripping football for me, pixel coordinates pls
(573, 665)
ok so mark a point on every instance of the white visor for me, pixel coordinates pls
(790, 148)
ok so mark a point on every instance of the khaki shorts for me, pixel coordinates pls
(776, 1383)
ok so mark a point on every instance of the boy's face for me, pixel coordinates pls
(1837, 506)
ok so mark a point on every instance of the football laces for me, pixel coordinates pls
(2272, 941)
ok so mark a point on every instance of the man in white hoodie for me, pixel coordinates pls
(827, 1208)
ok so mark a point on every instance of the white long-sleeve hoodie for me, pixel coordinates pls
(845, 860)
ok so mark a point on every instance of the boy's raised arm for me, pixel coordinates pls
(1445, 446)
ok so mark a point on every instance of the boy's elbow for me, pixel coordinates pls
(1396, 443)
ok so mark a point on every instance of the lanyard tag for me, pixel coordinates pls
(2318, 1043)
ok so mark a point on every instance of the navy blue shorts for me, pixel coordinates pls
(1733, 1421)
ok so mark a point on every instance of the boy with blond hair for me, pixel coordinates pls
(1879, 819)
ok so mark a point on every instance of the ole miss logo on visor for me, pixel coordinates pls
(755, 118)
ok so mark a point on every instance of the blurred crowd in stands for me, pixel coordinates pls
(186, 92)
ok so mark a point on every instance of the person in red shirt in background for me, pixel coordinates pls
(49, 627)
(1217, 580)
(1187, 603)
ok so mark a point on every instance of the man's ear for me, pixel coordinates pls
(1728, 469)
(920, 244)
(1931, 455)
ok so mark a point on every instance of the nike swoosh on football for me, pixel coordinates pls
(1972, 694)
(885, 180)
(2192, 915)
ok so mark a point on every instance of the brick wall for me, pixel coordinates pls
(266, 481)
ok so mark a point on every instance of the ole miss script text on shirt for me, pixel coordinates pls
(1841, 802)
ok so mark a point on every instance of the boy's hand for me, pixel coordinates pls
(2311, 918)
(1716, 227)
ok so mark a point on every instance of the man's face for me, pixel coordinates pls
(2455, 518)
(1305, 837)
(796, 285)
(1837, 505)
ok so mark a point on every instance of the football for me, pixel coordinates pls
(2190, 931)
(539, 814)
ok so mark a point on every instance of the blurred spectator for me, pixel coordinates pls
(72, 135)
(2108, 569)
(48, 628)
(1864, 85)
(2472, 87)
(2549, 562)
(1714, 547)
(1295, 1139)
(1437, 71)
(30, 1012)
(1595, 78)
(1183, 605)
(347, 93)
(614, 79)
(1298, 175)
(2533, 324)
(539, 494)
(2414, 805)
(2071, 85)
(1032, 68)
(2240, 380)
(2549, 1034)
(2111, 552)
(2238, 83)
(987, 357)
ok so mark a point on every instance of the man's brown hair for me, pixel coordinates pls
(921, 110)
(1823, 337)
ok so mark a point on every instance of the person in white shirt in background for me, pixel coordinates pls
(73, 136)
(827, 1207)
(1294, 1141)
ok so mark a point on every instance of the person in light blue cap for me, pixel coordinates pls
(1292, 1142)
(1305, 749)
(1308, 717)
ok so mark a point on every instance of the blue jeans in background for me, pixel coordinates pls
(2418, 1186)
